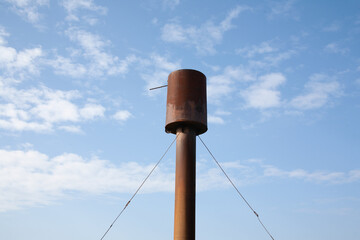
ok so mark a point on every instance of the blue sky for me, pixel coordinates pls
(79, 129)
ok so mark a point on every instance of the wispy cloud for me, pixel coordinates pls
(122, 115)
(219, 86)
(74, 6)
(254, 170)
(91, 111)
(218, 117)
(17, 64)
(319, 91)
(171, 4)
(222, 85)
(93, 49)
(203, 38)
(275, 59)
(317, 176)
(71, 128)
(92, 59)
(215, 119)
(271, 59)
(28, 9)
(266, 55)
(334, 27)
(262, 48)
(264, 94)
(335, 48)
(283, 8)
(40, 109)
(66, 66)
(31, 178)
(3, 35)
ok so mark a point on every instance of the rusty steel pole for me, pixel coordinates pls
(186, 116)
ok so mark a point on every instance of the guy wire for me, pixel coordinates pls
(256, 214)
(127, 204)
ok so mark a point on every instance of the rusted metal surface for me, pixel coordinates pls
(186, 101)
(184, 224)
(186, 116)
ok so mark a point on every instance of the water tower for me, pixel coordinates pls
(186, 116)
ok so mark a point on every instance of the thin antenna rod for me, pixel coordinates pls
(158, 87)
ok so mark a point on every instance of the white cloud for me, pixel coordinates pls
(40, 109)
(154, 21)
(18, 63)
(98, 62)
(222, 85)
(73, 6)
(91, 111)
(174, 33)
(90, 20)
(3, 35)
(319, 90)
(93, 47)
(65, 66)
(283, 8)
(219, 86)
(71, 128)
(275, 59)
(172, 4)
(335, 48)
(26, 146)
(271, 59)
(357, 81)
(56, 110)
(214, 68)
(317, 176)
(28, 9)
(162, 63)
(265, 55)
(222, 113)
(253, 171)
(31, 178)
(215, 119)
(264, 94)
(122, 115)
(262, 48)
(218, 117)
(334, 27)
(205, 37)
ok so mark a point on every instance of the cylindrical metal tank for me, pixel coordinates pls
(186, 101)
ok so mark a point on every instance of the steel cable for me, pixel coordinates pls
(256, 214)
(143, 182)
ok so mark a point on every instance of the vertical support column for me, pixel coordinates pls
(185, 187)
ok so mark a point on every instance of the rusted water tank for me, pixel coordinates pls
(186, 101)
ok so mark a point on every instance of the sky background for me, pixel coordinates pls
(79, 129)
